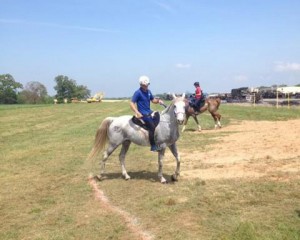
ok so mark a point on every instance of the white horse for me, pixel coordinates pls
(121, 130)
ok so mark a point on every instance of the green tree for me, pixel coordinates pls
(67, 88)
(34, 92)
(82, 92)
(8, 89)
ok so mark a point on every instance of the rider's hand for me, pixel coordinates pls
(160, 101)
(138, 115)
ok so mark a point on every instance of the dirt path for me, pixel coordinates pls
(252, 149)
(132, 223)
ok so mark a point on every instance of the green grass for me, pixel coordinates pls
(259, 113)
(45, 193)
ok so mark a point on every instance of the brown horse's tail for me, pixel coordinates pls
(215, 101)
(218, 101)
(101, 137)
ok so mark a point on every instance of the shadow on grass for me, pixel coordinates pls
(298, 212)
(190, 130)
(138, 175)
(202, 128)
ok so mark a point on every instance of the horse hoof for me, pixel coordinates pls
(174, 178)
(127, 177)
(98, 177)
(163, 181)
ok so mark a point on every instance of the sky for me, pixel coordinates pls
(106, 45)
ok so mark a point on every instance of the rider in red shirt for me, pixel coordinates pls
(198, 95)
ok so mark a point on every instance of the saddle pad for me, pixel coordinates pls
(141, 123)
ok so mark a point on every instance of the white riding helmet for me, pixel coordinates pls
(144, 80)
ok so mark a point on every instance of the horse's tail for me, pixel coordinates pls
(101, 137)
(218, 101)
(213, 103)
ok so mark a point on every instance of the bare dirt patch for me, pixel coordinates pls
(131, 222)
(250, 150)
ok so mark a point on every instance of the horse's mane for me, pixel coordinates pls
(170, 106)
(166, 110)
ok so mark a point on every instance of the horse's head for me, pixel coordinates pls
(179, 108)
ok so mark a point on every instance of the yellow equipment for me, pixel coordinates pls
(96, 98)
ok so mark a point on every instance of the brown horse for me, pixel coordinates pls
(211, 104)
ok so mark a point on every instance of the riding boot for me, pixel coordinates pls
(196, 111)
(151, 127)
(197, 106)
(155, 148)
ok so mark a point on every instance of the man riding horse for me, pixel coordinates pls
(140, 104)
(122, 131)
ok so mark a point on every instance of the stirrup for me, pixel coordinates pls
(155, 148)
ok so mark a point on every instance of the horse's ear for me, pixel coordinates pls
(174, 96)
(183, 95)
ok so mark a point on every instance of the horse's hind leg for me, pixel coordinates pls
(125, 147)
(109, 150)
(174, 151)
(217, 118)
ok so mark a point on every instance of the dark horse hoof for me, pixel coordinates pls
(174, 178)
(98, 177)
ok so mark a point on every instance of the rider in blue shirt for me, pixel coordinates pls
(140, 104)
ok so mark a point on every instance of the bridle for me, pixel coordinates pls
(178, 112)
(181, 111)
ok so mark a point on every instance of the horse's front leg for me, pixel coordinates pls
(125, 147)
(185, 122)
(174, 151)
(197, 122)
(161, 155)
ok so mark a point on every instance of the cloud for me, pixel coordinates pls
(165, 6)
(240, 78)
(287, 67)
(81, 28)
(181, 65)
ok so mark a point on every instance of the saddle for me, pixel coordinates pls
(192, 101)
(155, 116)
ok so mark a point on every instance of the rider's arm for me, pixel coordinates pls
(157, 100)
(135, 110)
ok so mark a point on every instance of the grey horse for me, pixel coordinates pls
(122, 131)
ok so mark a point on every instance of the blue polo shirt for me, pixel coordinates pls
(142, 99)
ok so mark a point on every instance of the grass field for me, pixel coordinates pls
(45, 192)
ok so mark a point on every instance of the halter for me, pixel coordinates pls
(183, 109)
(178, 112)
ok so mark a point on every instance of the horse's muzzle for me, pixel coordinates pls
(180, 122)
(180, 116)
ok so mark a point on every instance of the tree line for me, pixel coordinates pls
(13, 92)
